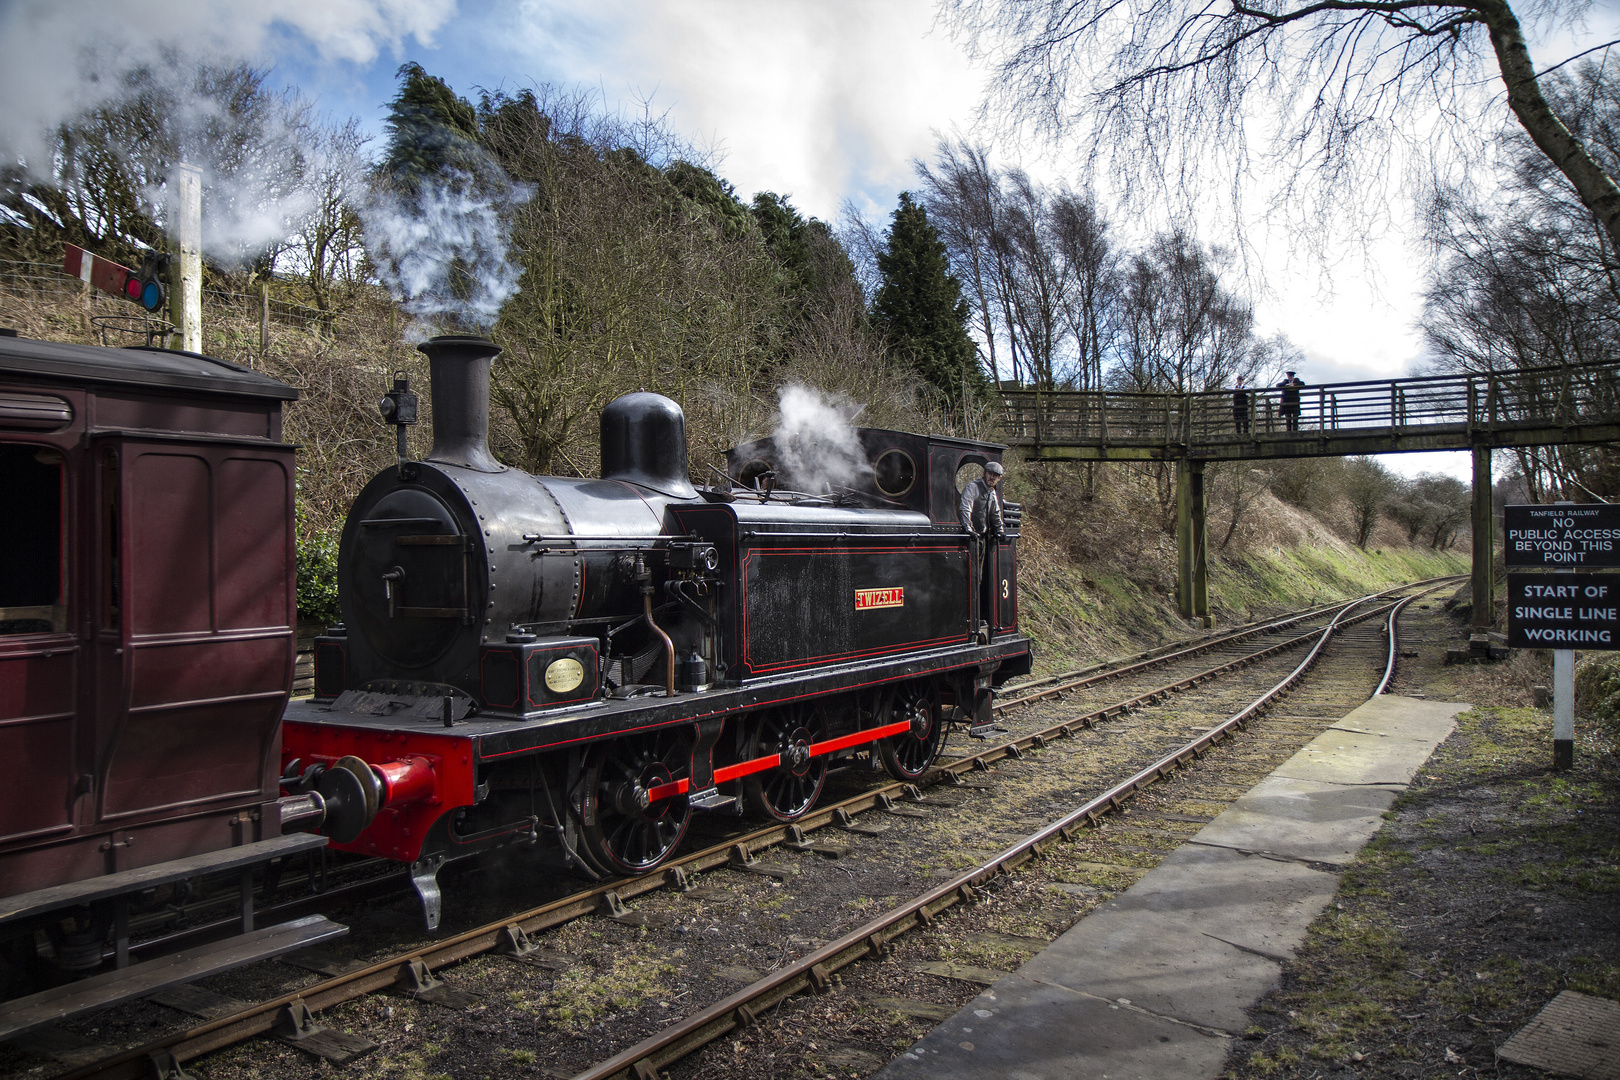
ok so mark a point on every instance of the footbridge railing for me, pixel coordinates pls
(1536, 406)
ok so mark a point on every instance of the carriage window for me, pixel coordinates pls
(33, 544)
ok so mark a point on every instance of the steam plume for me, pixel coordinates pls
(816, 445)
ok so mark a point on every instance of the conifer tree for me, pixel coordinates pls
(919, 308)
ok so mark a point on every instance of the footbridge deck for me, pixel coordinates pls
(1535, 407)
(1574, 404)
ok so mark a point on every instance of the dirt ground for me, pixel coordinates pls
(1492, 887)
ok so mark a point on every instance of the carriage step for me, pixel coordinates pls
(139, 980)
(713, 800)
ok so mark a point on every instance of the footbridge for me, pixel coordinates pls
(1572, 404)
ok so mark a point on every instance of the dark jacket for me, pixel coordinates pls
(1290, 391)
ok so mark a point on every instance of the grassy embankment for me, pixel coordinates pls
(1108, 592)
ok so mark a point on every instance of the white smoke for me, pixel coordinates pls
(817, 449)
(60, 59)
(443, 252)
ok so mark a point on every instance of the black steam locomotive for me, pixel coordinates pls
(594, 661)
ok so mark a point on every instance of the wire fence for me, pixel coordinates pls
(37, 280)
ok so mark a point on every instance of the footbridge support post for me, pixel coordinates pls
(1484, 566)
(1192, 571)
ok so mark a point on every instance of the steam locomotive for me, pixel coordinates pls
(588, 662)
(594, 661)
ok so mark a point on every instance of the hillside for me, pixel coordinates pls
(1098, 550)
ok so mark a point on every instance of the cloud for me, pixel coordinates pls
(813, 99)
(60, 57)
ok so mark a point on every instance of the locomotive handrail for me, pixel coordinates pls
(754, 534)
(378, 523)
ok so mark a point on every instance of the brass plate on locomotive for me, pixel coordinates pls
(564, 674)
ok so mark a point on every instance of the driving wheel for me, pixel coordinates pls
(626, 826)
(909, 755)
(788, 791)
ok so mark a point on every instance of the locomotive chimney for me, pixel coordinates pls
(644, 442)
(459, 366)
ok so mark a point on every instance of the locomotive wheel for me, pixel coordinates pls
(623, 831)
(787, 792)
(910, 754)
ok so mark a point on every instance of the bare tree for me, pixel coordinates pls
(1368, 488)
(1356, 90)
(1529, 279)
(1091, 286)
(1182, 329)
(104, 186)
(963, 196)
(329, 241)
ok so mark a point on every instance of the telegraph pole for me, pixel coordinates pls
(185, 292)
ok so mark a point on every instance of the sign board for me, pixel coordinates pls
(1562, 536)
(1564, 611)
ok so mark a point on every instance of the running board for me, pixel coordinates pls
(139, 980)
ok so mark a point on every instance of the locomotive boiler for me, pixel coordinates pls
(590, 662)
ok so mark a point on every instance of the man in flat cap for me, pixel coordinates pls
(980, 510)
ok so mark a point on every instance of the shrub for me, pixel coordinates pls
(1597, 689)
(317, 578)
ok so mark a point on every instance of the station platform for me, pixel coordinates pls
(1156, 982)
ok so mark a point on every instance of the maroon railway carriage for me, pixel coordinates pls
(592, 661)
(146, 631)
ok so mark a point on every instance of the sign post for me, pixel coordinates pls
(1562, 610)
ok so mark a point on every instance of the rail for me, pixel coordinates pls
(259, 1018)
(813, 972)
(1438, 411)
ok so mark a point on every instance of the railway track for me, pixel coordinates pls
(1160, 708)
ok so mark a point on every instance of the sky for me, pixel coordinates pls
(821, 101)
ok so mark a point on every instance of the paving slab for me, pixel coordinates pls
(1195, 943)
(1306, 820)
(1157, 981)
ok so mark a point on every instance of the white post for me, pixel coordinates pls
(1563, 708)
(185, 288)
(1563, 703)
